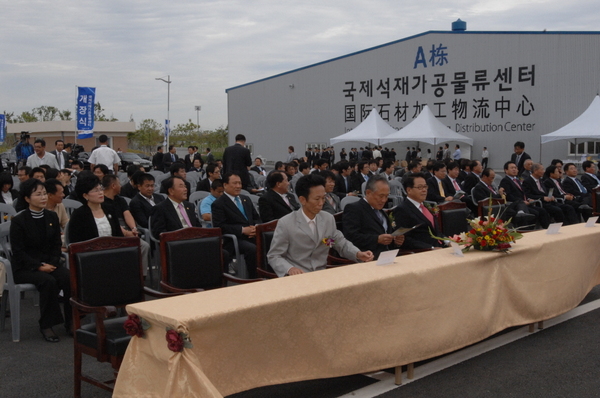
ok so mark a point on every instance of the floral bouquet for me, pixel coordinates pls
(487, 234)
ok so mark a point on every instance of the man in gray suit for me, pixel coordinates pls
(303, 238)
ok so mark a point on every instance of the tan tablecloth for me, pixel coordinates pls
(357, 318)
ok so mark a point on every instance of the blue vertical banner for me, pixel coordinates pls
(85, 112)
(2, 128)
(167, 131)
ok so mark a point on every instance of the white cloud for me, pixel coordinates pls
(120, 47)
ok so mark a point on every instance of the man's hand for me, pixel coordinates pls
(569, 196)
(548, 198)
(365, 256)
(385, 239)
(249, 231)
(295, 271)
(448, 198)
(399, 240)
(501, 191)
(46, 268)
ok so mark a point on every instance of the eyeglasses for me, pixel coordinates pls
(420, 187)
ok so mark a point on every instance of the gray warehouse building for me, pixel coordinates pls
(494, 87)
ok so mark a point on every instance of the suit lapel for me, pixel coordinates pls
(419, 214)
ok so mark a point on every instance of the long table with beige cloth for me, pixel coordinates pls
(355, 319)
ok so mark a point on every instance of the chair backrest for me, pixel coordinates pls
(452, 218)
(107, 271)
(5, 239)
(71, 205)
(264, 237)
(156, 173)
(181, 264)
(123, 178)
(197, 196)
(484, 205)
(16, 182)
(127, 199)
(254, 199)
(6, 212)
(348, 199)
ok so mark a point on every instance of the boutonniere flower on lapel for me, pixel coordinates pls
(110, 216)
(392, 220)
(433, 209)
(328, 241)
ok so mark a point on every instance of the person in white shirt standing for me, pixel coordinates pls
(104, 155)
(40, 156)
(485, 154)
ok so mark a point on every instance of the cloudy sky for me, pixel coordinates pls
(206, 46)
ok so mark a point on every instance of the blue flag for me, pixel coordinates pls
(85, 112)
(167, 131)
(2, 128)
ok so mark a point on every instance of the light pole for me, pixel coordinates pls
(168, 122)
(198, 107)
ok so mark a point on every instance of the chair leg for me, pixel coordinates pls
(15, 315)
(531, 327)
(77, 373)
(540, 324)
(3, 309)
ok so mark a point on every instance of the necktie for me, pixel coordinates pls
(539, 186)
(172, 157)
(517, 183)
(381, 219)
(287, 201)
(441, 189)
(347, 187)
(427, 214)
(580, 185)
(238, 202)
(455, 185)
(492, 189)
(559, 188)
(184, 215)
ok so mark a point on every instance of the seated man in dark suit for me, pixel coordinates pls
(589, 178)
(362, 176)
(178, 170)
(235, 214)
(343, 183)
(552, 182)
(141, 205)
(175, 212)
(534, 189)
(473, 177)
(213, 172)
(513, 210)
(129, 190)
(258, 167)
(515, 194)
(439, 189)
(366, 225)
(573, 186)
(412, 212)
(276, 202)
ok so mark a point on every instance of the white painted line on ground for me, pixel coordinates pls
(386, 380)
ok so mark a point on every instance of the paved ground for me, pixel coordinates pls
(559, 361)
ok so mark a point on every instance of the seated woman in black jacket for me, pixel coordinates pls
(36, 243)
(94, 218)
(7, 193)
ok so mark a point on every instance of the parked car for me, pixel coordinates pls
(128, 158)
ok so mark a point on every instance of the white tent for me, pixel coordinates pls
(426, 128)
(585, 127)
(371, 130)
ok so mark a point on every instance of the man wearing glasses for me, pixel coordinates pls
(412, 211)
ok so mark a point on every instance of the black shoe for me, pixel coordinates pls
(49, 335)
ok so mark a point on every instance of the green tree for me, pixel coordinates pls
(65, 115)
(216, 139)
(27, 117)
(99, 115)
(147, 136)
(184, 135)
(46, 113)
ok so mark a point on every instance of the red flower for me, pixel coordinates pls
(503, 246)
(133, 326)
(174, 341)
(483, 243)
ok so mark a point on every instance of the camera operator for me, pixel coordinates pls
(24, 149)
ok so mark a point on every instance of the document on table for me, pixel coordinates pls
(387, 257)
